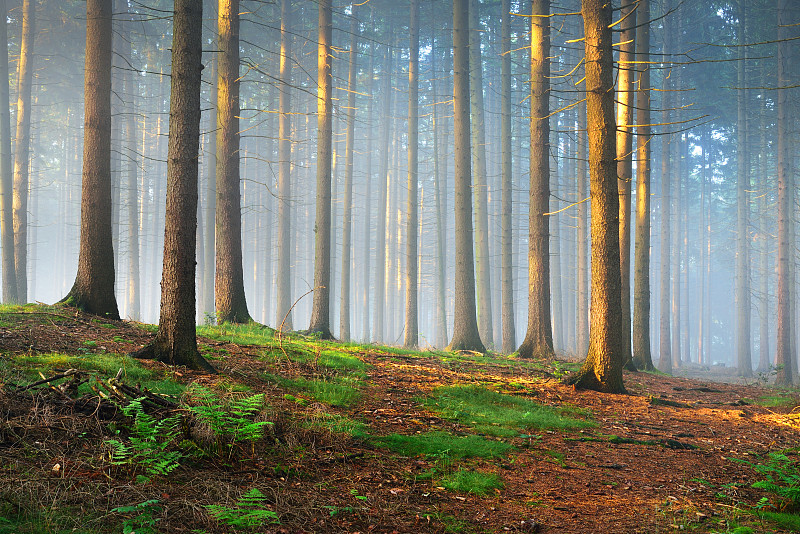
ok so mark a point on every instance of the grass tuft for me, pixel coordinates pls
(442, 443)
(497, 414)
(468, 481)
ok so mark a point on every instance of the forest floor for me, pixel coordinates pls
(363, 438)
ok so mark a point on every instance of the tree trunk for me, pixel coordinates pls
(320, 312)
(602, 369)
(482, 260)
(465, 324)
(22, 148)
(538, 342)
(367, 237)
(507, 274)
(665, 354)
(379, 330)
(583, 241)
(439, 185)
(347, 216)
(93, 290)
(176, 341)
(626, 96)
(641, 289)
(209, 248)
(6, 170)
(131, 91)
(230, 301)
(283, 320)
(784, 357)
(412, 226)
(743, 354)
(764, 244)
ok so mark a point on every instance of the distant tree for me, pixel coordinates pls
(6, 170)
(641, 284)
(230, 301)
(131, 90)
(465, 324)
(602, 370)
(320, 308)
(347, 215)
(176, 340)
(209, 234)
(22, 144)
(285, 246)
(93, 290)
(412, 227)
(507, 271)
(538, 342)
(664, 352)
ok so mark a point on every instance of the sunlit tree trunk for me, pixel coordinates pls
(583, 238)
(465, 324)
(625, 98)
(412, 226)
(482, 260)
(743, 351)
(6, 170)
(22, 148)
(285, 247)
(507, 274)
(538, 342)
(131, 90)
(93, 290)
(229, 293)
(602, 369)
(784, 357)
(641, 283)
(176, 341)
(320, 311)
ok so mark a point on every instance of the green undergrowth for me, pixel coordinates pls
(240, 334)
(777, 401)
(338, 391)
(497, 414)
(470, 481)
(105, 365)
(336, 424)
(441, 443)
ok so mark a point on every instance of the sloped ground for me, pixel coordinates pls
(658, 459)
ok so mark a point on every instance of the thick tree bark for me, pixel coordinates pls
(507, 269)
(347, 215)
(6, 170)
(229, 295)
(412, 226)
(538, 342)
(482, 260)
(602, 369)
(465, 324)
(626, 96)
(22, 148)
(320, 310)
(283, 283)
(743, 346)
(641, 284)
(176, 342)
(93, 290)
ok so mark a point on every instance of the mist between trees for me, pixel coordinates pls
(449, 145)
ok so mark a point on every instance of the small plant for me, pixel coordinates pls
(144, 522)
(148, 445)
(781, 478)
(467, 481)
(250, 511)
(232, 421)
(438, 443)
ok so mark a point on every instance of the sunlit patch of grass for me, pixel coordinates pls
(106, 366)
(442, 443)
(341, 361)
(330, 392)
(777, 401)
(468, 481)
(337, 424)
(497, 414)
(240, 334)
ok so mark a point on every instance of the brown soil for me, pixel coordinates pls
(670, 469)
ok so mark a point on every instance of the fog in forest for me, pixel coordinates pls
(711, 134)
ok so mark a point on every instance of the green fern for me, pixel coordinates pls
(782, 478)
(249, 511)
(231, 421)
(148, 444)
